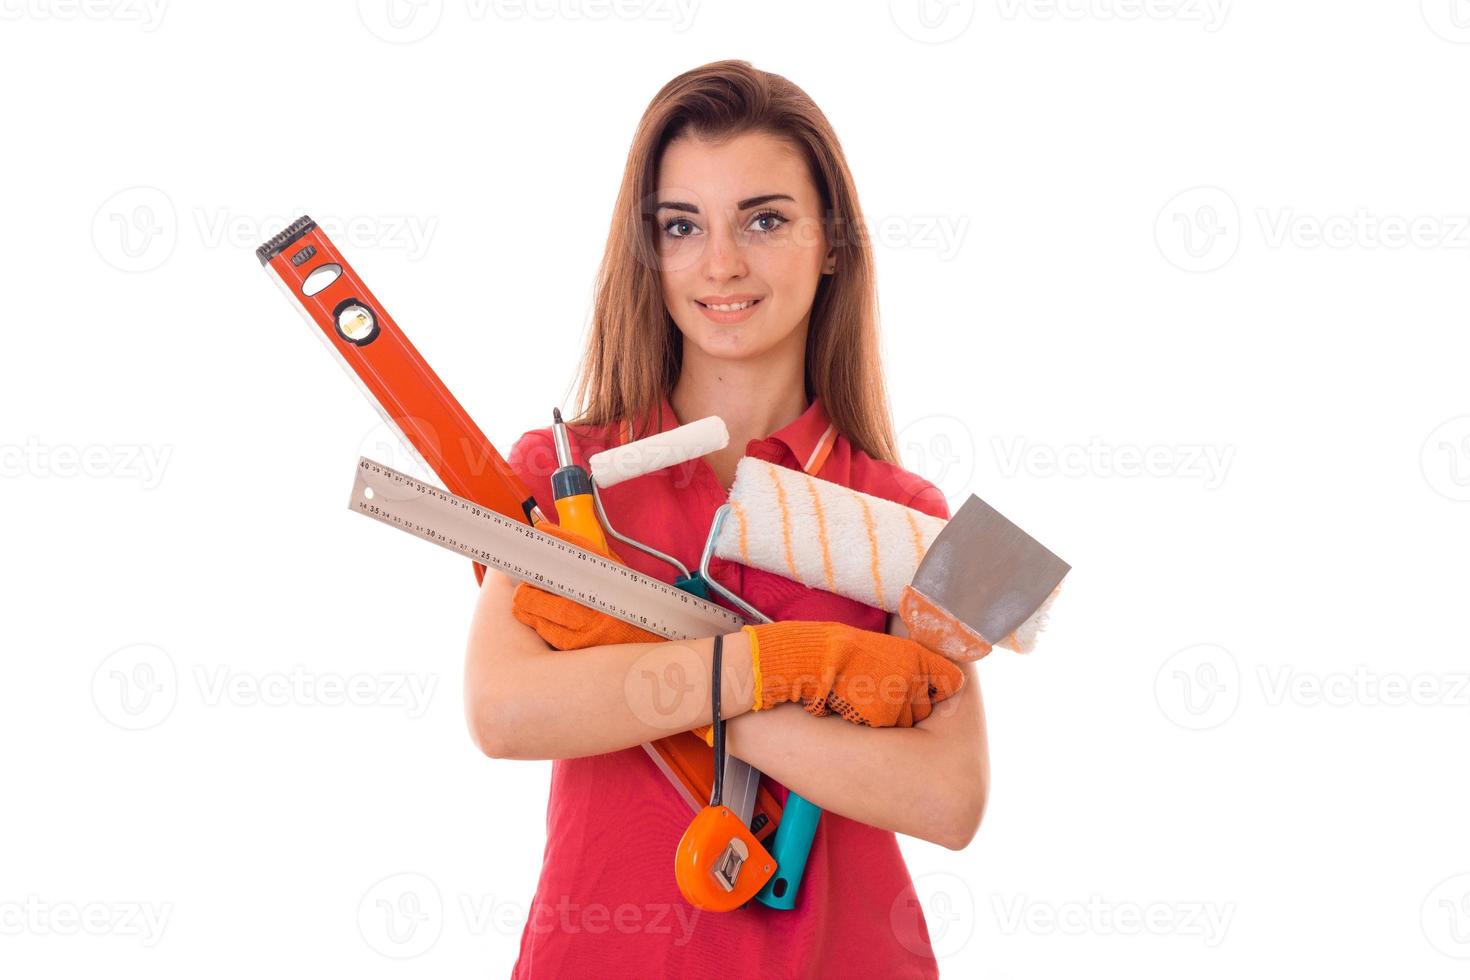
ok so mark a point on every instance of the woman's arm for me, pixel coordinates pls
(930, 781)
(524, 700)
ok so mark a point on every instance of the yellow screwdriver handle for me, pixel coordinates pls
(578, 514)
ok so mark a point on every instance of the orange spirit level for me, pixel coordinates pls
(414, 402)
(396, 378)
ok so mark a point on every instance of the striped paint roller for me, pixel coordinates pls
(827, 536)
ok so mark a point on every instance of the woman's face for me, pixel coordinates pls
(738, 222)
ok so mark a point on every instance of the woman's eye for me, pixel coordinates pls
(769, 216)
(683, 227)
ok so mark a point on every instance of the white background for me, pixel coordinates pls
(1228, 240)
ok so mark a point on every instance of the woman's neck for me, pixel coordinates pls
(753, 398)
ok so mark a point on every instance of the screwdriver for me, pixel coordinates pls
(571, 488)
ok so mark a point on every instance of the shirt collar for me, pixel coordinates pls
(810, 436)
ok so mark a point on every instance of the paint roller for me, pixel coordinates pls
(699, 438)
(960, 586)
(659, 451)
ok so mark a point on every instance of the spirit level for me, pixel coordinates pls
(420, 408)
(392, 373)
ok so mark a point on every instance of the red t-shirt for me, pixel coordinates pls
(607, 905)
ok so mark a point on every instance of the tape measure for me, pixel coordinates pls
(524, 553)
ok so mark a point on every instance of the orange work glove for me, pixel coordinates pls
(868, 678)
(568, 625)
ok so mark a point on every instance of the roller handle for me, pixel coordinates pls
(790, 848)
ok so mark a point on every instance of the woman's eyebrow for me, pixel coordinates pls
(745, 205)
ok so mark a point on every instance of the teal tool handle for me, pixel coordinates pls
(792, 844)
(694, 584)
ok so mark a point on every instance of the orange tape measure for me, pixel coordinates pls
(719, 865)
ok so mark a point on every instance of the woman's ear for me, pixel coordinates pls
(831, 265)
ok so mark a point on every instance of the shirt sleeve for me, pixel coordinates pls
(533, 459)
(931, 500)
(916, 492)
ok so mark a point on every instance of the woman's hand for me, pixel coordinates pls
(568, 625)
(868, 678)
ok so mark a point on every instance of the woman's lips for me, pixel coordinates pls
(733, 316)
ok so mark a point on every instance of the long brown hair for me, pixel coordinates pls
(634, 349)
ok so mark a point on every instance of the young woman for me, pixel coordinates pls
(737, 282)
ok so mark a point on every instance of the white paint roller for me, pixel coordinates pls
(822, 534)
(812, 531)
(827, 536)
(612, 466)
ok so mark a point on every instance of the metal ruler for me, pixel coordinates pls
(547, 562)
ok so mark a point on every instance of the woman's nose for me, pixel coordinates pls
(724, 256)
